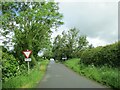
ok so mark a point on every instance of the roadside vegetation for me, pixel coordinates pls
(102, 56)
(29, 25)
(26, 25)
(100, 64)
(104, 75)
(26, 80)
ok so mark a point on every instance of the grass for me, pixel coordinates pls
(104, 75)
(29, 80)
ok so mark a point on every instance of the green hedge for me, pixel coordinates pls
(9, 66)
(107, 55)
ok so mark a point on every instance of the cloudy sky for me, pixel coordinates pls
(98, 20)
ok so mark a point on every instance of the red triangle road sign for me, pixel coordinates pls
(27, 53)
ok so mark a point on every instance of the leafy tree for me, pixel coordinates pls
(47, 54)
(91, 46)
(82, 42)
(4, 49)
(57, 48)
(69, 44)
(31, 23)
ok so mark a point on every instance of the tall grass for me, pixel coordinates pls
(27, 80)
(105, 75)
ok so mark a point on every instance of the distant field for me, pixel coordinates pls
(106, 76)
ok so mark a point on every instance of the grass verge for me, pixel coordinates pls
(29, 80)
(104, 75)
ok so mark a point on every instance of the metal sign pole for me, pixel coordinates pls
(27, 54)
(28, 67)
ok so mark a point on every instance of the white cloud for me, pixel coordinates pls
(97, 20)
(96, 42)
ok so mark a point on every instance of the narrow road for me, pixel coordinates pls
(59, 76)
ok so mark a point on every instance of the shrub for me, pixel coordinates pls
(104, 75)
(99, 56)
(88, 56)
(9, 66)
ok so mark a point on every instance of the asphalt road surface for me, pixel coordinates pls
(59, 76)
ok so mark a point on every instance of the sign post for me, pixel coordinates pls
(27, 55)
(28, 67)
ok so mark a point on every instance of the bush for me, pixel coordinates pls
(88, 56)
(99, 56)
(9, 66)
(27, 80)
(104, 75)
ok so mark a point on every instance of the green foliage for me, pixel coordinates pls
(57, 53)
(31, 23)
(9, 66)
(68, 44)
(48, 54)
(104, 75)
(4, 49)
(90, 55)
(25, 80)
(100, 56)
(33, 61)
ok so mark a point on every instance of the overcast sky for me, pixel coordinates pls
(97, 20)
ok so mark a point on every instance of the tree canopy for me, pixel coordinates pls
(31, 23)
(68, 44)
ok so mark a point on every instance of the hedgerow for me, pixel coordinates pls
(9, 66)
(99, 56)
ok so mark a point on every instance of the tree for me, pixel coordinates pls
(57, 48)
(82, 42)
(31, 23)
(72, 38)
(91, 46)
(69, 44)
(47, 54)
